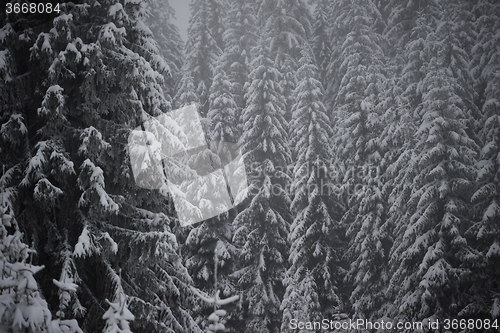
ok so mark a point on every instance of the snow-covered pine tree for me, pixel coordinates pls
(484, 234)
(395, 104)
(399, 98)
(301, 303)
(170, 44)
(431, 255)
(321, 38)
(409, 24)
(202, 242)
(118, 316)
(222, 114)
(261, 228)
(186, 91)
(356, 51)
(93, 83)
(314, 279)
(203, 47)
(401, 21)
(216, 20)
(214, 235)
(358, 124)
(214, 324)
(240, 37)
(69, 304)
(395, 141)
(456, 31)
(428, 32)
(211, 240)
(288, 84)
(408, 28)
(288, 24)
(338, 33)
(214, 318)
(22, 308)
(289, 27)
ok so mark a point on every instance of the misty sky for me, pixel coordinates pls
(182, 15)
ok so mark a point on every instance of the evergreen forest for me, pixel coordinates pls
(370, 132)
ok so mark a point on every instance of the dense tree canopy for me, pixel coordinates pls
(370, 134)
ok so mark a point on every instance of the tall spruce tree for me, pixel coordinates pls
(288, 25)
(90, 85)
(22, 307)
(203, 47)
(166, 34)
(408, 29)
(321, 38)
(239, 38)
(118, 316)
(484, 234)
(69, 304)
(431, 256)
(211, 240)
(358, 124)
(261, 229)
(186, 92)
(394, 142)
(316, 236)
(434, 169)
